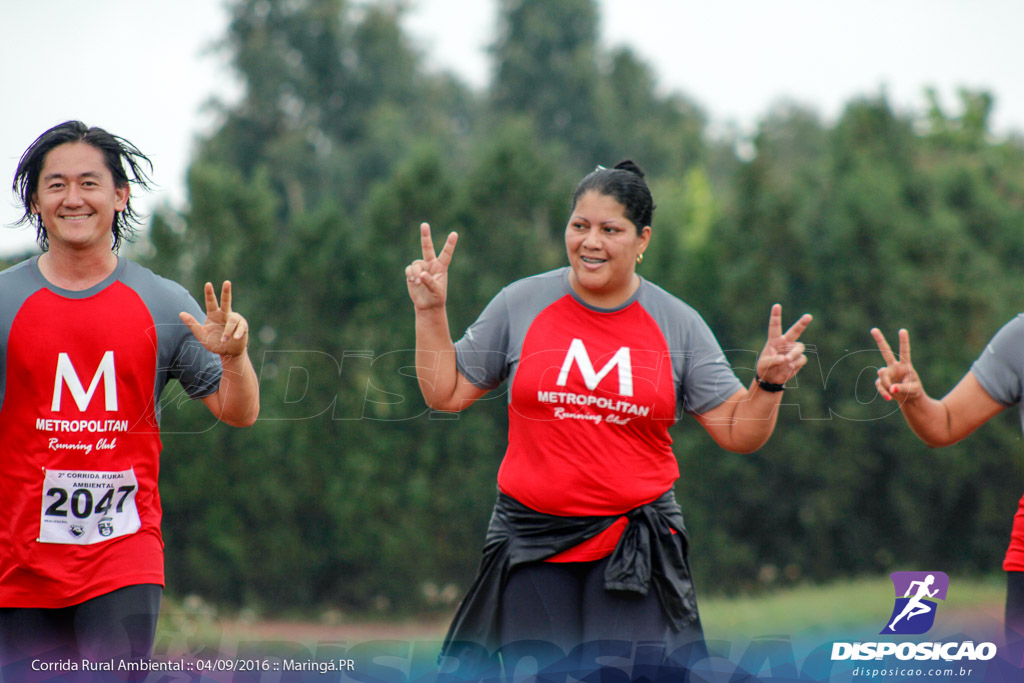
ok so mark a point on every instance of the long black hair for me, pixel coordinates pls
(121, 157)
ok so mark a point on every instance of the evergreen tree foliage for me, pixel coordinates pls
(350, 494)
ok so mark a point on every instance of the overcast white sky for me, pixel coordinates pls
(143, 69)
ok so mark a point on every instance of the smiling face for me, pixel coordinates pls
(603, 246)
(77, 199)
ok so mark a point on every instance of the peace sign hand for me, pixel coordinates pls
(224, 332)
(782, 356)
(427, 278)
(898, 377)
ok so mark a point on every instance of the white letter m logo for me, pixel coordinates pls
(66, 375)
(578, 353)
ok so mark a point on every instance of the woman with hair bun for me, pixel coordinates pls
(586, 544)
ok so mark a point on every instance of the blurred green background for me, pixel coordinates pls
(350, 497)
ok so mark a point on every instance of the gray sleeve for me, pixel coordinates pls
(1000, 368)
(707, 378)
(482, 355)
(703, 376)
(179, 354)
(16, 285)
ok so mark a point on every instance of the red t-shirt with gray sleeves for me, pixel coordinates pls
(81, 375)
(592, 393)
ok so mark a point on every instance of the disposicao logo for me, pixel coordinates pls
(913, 614)
(916, 596)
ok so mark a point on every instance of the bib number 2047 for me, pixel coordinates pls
(85, 507)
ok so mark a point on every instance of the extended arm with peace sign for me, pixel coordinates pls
(225, 332)
(443, 386)
(936, 422)
(745, 421)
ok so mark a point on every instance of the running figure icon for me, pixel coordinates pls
(916, 594)
(916, 606)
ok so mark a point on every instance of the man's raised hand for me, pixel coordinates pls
(225, 332)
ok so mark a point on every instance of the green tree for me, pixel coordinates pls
(546, 68)
(866, 224)
(349, 493)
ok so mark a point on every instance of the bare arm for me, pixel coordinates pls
(936, 422)
(443, 386)
(237, 401)
(745, 421)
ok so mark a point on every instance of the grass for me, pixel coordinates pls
(804, 610)
(840, 605)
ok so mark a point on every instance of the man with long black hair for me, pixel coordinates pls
(88, 341)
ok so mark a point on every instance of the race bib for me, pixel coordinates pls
(86, 507)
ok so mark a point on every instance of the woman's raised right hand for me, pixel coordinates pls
(427, 278)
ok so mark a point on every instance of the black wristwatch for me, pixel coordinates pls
(768, 386)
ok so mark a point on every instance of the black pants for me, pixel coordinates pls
(1014, 606)
(550, 609)
(118, 625)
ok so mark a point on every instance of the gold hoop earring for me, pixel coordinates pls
(639, 258)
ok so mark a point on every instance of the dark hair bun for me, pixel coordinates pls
(629, 165)
(625, 182)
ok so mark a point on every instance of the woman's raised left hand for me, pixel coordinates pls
(783, 355)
